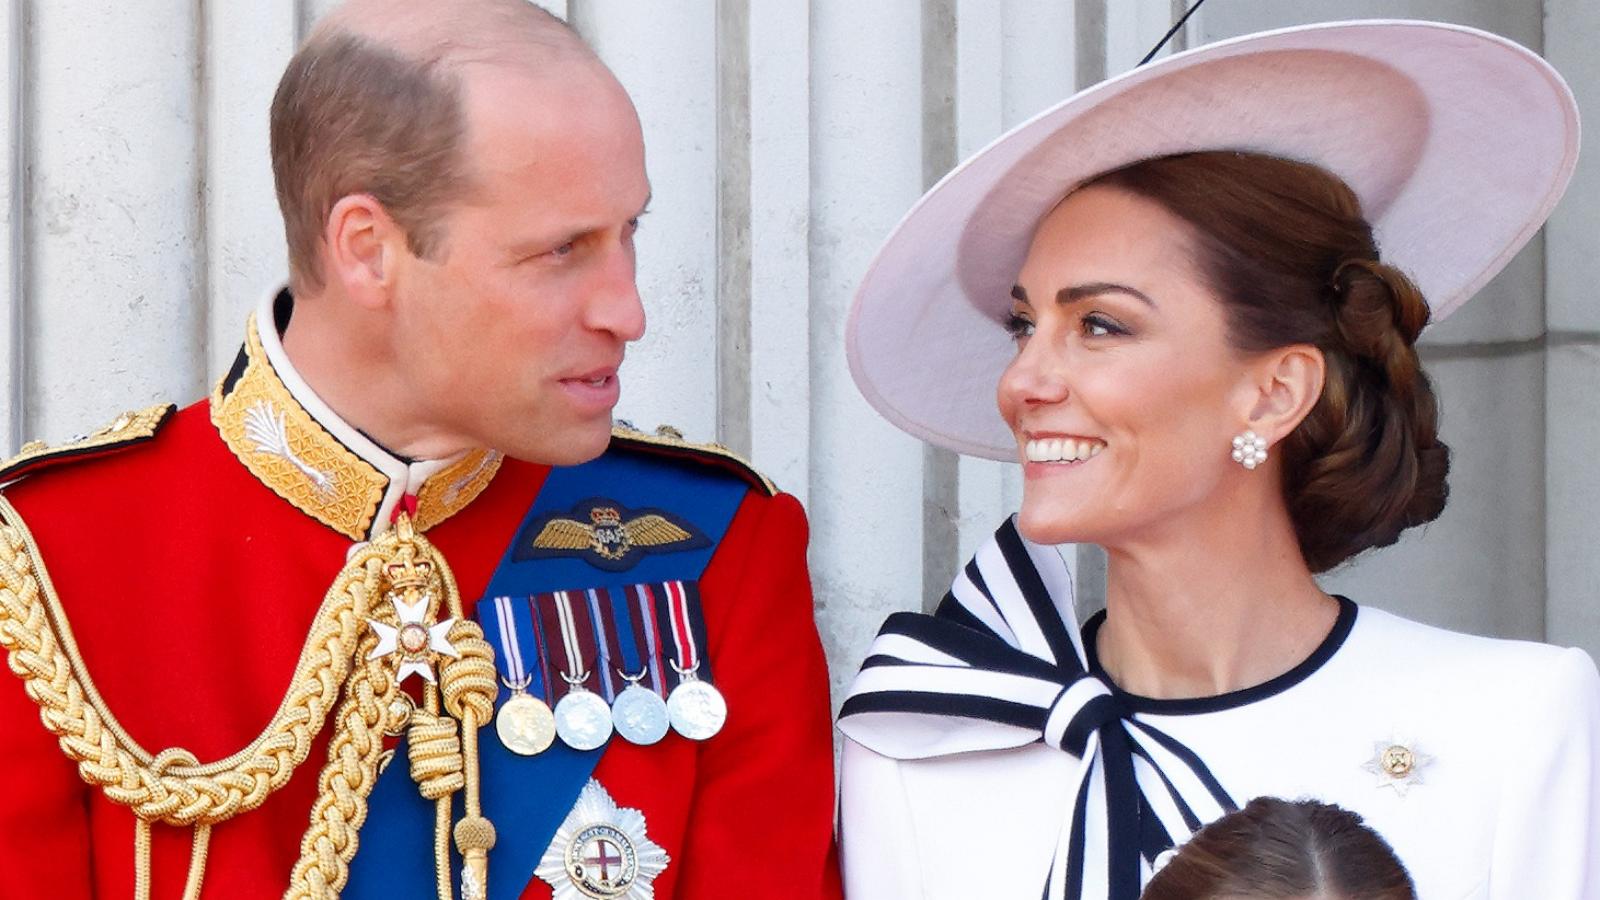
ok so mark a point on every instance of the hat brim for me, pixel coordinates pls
(1458, 142)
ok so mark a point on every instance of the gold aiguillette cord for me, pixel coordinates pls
(172, 787)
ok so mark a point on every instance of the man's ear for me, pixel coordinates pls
(362, 242)
(1286, 385)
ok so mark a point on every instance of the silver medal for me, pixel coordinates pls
(696, 709)
(525, 724)
(583, 720)
(640, 714)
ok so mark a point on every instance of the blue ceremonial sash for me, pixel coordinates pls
(528, 797)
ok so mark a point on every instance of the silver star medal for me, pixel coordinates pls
(1398, 764)
(414, 642)
(602, 852)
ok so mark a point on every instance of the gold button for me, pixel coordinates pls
(1398, 761)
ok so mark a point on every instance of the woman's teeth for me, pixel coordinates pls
(1062, 449)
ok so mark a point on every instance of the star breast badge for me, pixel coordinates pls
(607, 535)
(601, 852)
(1397, 763)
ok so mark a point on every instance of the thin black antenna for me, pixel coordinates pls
(1170, 32)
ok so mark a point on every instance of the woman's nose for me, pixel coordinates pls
(1036, 376)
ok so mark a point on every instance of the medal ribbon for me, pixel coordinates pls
(649, 633)
(995, 668)
(597, 610)
(514, 671)
(623, 635)
(688, 628)
(569, 621)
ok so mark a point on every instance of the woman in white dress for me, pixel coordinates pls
(1206, 367)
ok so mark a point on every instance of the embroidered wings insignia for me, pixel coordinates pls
(564, 534)
(607, 535)
(654, 530)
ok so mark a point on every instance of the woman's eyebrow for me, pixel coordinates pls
(1083, 291)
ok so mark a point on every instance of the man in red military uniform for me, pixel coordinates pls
(243, 631)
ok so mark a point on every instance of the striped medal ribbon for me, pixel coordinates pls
(583, 718)
(696, 709)
(524, 722)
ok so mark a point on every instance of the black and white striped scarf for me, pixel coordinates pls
(997, 667)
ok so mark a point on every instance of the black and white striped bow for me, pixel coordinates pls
(997, 667)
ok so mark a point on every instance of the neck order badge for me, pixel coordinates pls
(636, 628)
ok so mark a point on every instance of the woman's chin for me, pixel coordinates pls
(1051, 526)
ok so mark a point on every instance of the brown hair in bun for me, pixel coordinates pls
(1287, 249)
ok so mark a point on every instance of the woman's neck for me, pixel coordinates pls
(1205, 608)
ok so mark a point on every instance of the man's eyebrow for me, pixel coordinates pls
(1078, 292)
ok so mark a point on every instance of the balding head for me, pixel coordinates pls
(372, 104)
(457, 32)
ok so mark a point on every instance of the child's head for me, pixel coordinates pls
(1284, 850)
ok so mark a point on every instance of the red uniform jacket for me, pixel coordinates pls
(190, 586)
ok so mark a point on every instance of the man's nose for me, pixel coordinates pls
(615, 306)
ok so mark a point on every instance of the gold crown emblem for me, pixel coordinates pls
(410, 573)
(605, 515)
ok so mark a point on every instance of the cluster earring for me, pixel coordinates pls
(1249, 449)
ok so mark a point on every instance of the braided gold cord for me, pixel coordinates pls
(370, 709)
(344, 784)
(171, 787)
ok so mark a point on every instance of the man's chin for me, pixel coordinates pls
(566, 446)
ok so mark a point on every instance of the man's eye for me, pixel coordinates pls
(562, 250)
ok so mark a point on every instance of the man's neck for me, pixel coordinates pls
(358, 379)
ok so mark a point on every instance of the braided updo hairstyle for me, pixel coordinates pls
(1287, 249)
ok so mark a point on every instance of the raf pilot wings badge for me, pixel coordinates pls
(607, 535)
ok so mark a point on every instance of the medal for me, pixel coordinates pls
(583, 719)
(640, 713)
(526, 726)
(524, 722)
(695, 708)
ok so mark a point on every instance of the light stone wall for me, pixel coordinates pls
(785, 139)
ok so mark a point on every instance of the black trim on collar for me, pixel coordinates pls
(1244, 696)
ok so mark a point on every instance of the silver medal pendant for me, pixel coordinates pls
(640, 715)
(526, 726)
(696, 709)
(583, 720)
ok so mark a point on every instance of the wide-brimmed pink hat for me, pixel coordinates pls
(1458, 142)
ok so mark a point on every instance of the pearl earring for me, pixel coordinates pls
(1249, 450)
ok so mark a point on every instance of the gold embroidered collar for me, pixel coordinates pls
(288, 438)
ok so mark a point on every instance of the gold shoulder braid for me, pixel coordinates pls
(132, 427)
(669, 441)
(341, 656)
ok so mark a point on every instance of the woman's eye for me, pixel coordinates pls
(1095, 325)
(1018, 327)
